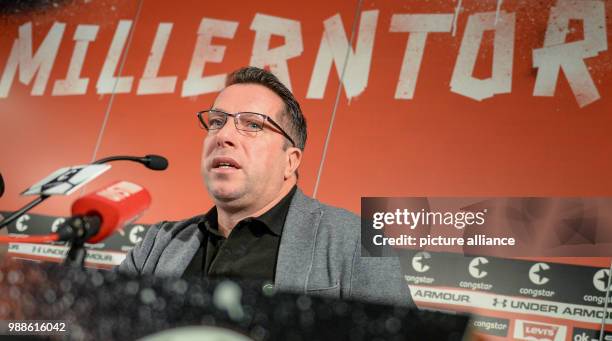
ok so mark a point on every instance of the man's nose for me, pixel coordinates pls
(226, 136)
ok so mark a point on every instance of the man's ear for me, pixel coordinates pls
(294, 158)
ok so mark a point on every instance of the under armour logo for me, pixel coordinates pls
(504, 302)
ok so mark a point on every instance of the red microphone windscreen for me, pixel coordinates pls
(117, 205)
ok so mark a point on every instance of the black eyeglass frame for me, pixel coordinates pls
(235, 116)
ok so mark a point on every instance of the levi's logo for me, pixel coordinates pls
(538, 331)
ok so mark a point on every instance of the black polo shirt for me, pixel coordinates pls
(251, 249)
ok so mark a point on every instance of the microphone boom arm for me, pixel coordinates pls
(22, 210)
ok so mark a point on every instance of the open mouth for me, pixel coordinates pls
(225, 163)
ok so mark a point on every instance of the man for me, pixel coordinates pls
(262, 225)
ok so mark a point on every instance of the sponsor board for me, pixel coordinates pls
(555, 282)
(122, 240)
(483, 300)
(56, 252)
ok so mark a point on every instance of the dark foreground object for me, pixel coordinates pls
(104, 305)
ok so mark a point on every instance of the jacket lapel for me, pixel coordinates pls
(180, 251)
(294, 262)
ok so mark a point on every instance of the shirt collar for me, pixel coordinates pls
(209, 223)
(273, 219)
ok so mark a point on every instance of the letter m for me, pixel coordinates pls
(28, 64)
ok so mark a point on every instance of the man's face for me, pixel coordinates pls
(258, 161)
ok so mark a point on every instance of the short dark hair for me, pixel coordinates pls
(292, 116)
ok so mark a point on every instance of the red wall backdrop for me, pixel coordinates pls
(433, 98)
(438, 142)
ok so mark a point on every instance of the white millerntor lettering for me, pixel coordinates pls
(334, 48)
(557, 54)
(265, 26)
(151, 83)
(22, 60)
(463, 82)
(205, 51)
(107, 82)
(73, 84)
(418, 25)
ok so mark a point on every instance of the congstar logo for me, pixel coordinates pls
(476, 267)
(536, 273)
(419, 261)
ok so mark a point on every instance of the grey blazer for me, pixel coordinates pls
(319, 253)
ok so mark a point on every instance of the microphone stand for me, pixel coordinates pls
(77, 230)
(76, 255)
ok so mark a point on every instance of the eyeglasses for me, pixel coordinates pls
(246, 121)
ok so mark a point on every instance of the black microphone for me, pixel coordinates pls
(151, 161)
(1, 185)
(155, 162)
